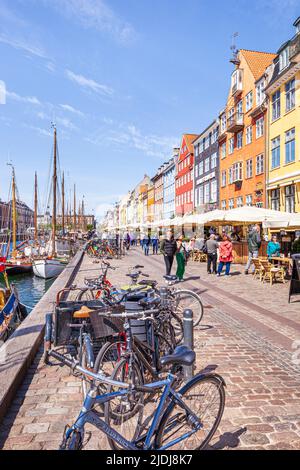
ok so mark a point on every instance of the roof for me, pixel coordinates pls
(189, 139)
(257, 61)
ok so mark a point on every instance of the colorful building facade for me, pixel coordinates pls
(283, 176)
(206, 169)
(169, 173)
(184, 179)
(242, 133)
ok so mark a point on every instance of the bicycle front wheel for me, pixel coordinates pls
(187, 299)
(205, 397)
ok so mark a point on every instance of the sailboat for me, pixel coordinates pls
(51, 266)
(17, 262)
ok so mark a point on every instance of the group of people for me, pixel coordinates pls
(171, 248)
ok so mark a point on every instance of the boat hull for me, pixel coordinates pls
(15, 269)
(11, 316)
(48, 268)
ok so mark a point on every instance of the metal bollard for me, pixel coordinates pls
(188, 339)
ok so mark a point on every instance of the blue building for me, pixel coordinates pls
(169, 173)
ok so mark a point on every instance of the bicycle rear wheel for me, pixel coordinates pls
(205, 397)
(186, 299)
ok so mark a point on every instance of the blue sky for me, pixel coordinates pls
(122, 79)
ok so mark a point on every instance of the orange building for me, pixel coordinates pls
(243, 124)
(184, 179)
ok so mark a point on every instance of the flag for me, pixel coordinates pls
(2, 264)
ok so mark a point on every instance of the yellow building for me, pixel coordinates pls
(283, 136)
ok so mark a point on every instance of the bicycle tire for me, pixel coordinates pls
(88, 293)
(197, 312)
(167, 419)
(120, 417)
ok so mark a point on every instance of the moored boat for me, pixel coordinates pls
(48, 268)
(12, 312)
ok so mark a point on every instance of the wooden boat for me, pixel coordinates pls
(48, 268)
(15, 267)
(12, 312)
(52, 265)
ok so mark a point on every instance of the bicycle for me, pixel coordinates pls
(180, 419)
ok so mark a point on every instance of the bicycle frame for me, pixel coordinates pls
(88, 416)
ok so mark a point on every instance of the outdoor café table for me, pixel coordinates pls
(285, 261)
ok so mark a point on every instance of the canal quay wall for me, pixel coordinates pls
(17, 354)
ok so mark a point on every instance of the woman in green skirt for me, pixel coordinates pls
(180, 258)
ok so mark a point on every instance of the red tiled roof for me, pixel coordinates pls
(257, 61)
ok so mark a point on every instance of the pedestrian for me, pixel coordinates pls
(181, 256)
(146, 245)
(168, 248)
(155, 244)
(225, 255)
(254, 244)
(273, 248)
(212, 254)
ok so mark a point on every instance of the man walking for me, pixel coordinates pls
(254, 244)
(168, 248)
(212, 253)
(155, 244)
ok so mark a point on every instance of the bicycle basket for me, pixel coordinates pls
(105, 326)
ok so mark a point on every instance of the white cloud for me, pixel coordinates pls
(70, 108)
(96, 14)
(23, 99)
(39, 130)
(23, 45)
(89, 84)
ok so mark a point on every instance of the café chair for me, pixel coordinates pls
(271, 273)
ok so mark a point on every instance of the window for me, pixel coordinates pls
(239, 140)
(249, 168)
(214, 159)
(275, 152)
(290, 198)
(239, 109)
(260, 95)
(206, 143)
(290, 146)
(230, 114)
(260, 127)
(201, 146)
(231, 145)
(275, 199)
(249, 101)
(201, 168)
(290, 95)
(249, 200)
(223, 150)
(207, 164)
(223, 178)
(249, 135)
(196, 171)
(223, 205)
(237, 170)
(239, 201)
(276, 105)
(201, 195)
(284, 58)
(213, 191)
(230, 175)
(231, 203)
(259, 164)
(206, 193)
(223, 123)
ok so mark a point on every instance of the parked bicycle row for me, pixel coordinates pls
(126, 346)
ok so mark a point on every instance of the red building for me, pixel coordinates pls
(184, 180)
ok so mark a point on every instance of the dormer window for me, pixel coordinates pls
(284, 58)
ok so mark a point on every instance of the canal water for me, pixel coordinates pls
(31, 288)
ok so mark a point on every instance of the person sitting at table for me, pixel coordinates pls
(273, 248)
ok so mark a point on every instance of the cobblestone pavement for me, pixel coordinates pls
(246, 335)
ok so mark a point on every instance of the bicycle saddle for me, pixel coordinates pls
(145, 282)
(182, 355)
(84, 312)
(170, 278)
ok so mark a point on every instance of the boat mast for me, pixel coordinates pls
(35, 207)
(82, 212)
(14, 214)
(63, 203)
(74, 208)
(54, 194)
